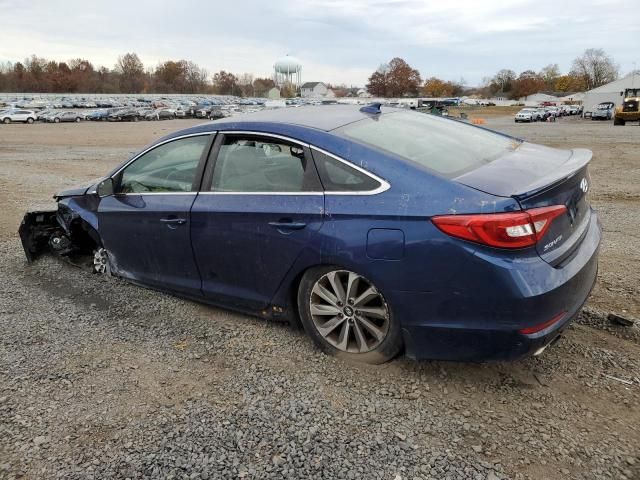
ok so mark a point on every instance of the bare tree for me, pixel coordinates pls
(595, 67)
(503, 79)
(131, 71)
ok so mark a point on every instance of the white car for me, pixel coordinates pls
(526, 115)
(25, 116)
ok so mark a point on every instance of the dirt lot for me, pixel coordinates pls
(102, 379)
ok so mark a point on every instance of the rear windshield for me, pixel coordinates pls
(447, 147)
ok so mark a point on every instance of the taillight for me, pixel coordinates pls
(502, 230)
(542, 326)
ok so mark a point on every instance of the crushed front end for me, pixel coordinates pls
(62, 232)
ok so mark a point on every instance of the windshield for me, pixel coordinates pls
(447, 147)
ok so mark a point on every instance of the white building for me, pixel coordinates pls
(611, 92)
(315, 90)
(536, 99)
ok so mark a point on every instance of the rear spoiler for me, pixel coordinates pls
(580, 157)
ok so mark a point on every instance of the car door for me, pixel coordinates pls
(257, 215)
(145, 224)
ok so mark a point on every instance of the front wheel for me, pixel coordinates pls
(347, 316)
(6, 121)
(101, 261)
(29, 120)
(56, 120)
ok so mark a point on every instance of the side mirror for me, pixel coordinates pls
(105, 188)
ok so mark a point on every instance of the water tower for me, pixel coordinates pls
(288, 70)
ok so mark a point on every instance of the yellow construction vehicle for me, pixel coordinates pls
(630, 109)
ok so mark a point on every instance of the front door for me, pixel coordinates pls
(258, 213)
(145, 225)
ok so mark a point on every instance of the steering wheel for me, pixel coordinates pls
(136, 187)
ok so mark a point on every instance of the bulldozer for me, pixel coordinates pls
(629, 111)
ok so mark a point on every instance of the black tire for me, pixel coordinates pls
(135, 119)
(6, 121)
(29, 121)
(56, 120)
(618, 121)
(386, 350)
(78, 119)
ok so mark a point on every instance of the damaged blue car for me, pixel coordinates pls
(379, 230)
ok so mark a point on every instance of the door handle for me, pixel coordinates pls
(173, 223)
(288, 225)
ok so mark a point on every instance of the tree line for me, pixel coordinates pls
(129, 75)
(394, 79)
(590, 70)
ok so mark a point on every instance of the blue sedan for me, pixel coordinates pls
(380, 230)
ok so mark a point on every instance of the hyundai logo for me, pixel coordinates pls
(584, 185)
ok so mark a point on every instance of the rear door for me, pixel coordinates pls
(145, 225)
(259, 210)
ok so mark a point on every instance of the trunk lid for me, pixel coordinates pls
(538, 176)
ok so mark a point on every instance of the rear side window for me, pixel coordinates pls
(337, 176)
(252, 164)
(444, 146)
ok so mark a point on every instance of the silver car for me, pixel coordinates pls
(24, 116)
(526, 115)
(603, 111)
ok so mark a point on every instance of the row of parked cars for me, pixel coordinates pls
(546, 113)
(117, 114)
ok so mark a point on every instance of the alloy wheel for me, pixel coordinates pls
(101, 261)
(349, 312)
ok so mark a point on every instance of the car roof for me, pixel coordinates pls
(320, 117)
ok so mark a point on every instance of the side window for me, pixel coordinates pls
(171, 167)
(337, 176)
(248, 164)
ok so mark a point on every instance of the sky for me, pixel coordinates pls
(340, 42)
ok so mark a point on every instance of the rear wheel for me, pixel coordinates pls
(78, 119)
(29, 120)
(347, 316)
(6, 121)
(56, 120)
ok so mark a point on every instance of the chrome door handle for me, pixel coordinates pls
(173, 223)
(177, 221)
(288, 225)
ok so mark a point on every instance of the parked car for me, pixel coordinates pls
(66, 117)
(527, 115)
(42, 115)
(124, 115)
(603, 111)
(23, 116)
(369, 223)
(161, 114)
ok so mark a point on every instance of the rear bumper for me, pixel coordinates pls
(474, 326)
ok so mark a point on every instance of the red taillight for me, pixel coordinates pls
(503, 230)
(542, 326)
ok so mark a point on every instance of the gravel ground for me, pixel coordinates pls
(103, 379)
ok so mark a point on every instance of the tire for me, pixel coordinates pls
(56, 120)
(351, 335)
(6, 121)
(77, 119)
(29, 121)
(135, 119)
(618, 121)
